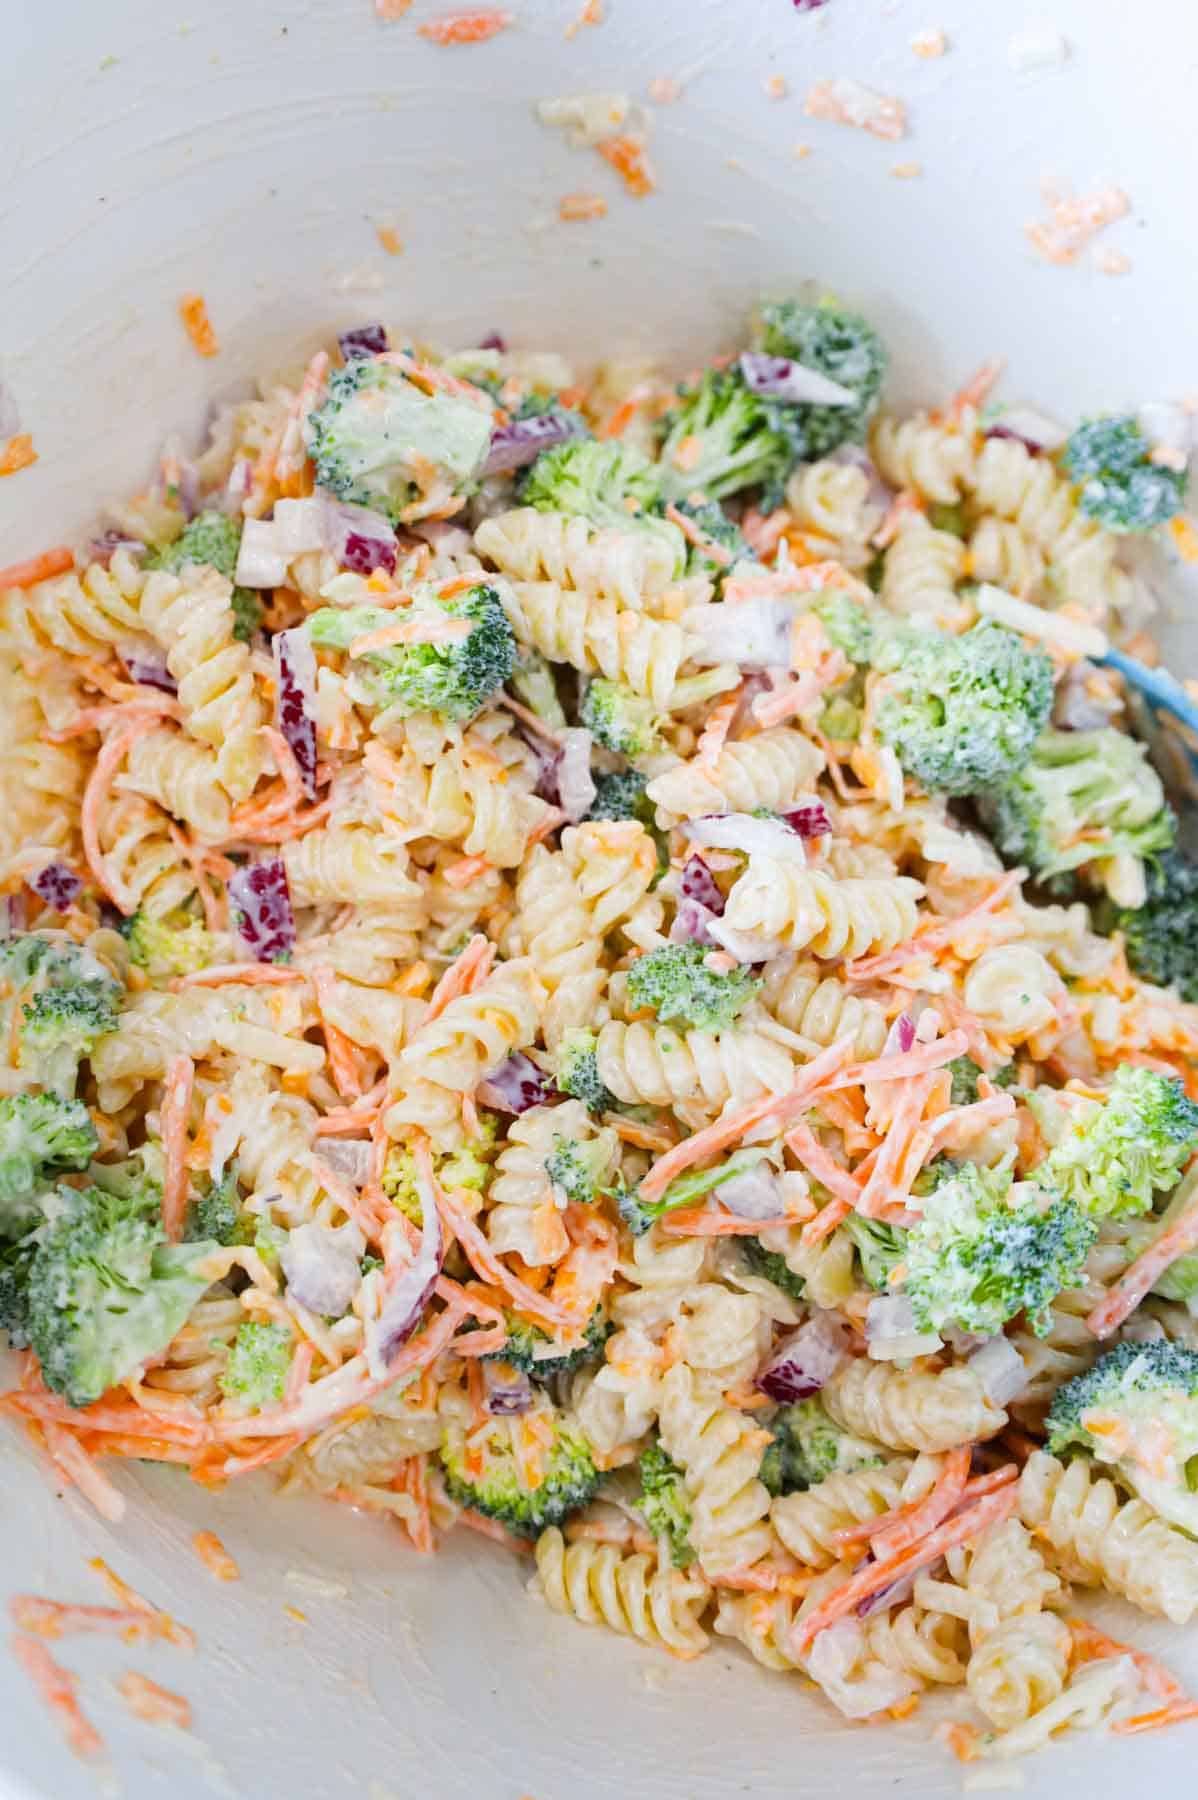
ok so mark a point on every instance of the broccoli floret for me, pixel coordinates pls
(849, 625)
(256, 1371)
(577, 1072)
(880, 1248)
(608, 483)
(619, 719)
(1161, 937)
(455, 678)
(532, 1350)
(1119, 1152)
(1137, 1409)
(491, 1478)
(714, 523)
(841, 714)
(40, 1135)
(577, 1169)
(164, 950)
(807, 1447)
(377, 433)
(213, 540)
(663, 1503)
(464, 1168)
(639, 1215)
(980, 1252)
(720, 437)
(838, 344)
(1076, 784)
(217, 1214)
(106, 1291)
(961, 713)
(1120, 486)
(964, 1073)
(677, 984)
(622, 796)
(532, 682)
(67, 999)
(773, 1267)
(16, 1260)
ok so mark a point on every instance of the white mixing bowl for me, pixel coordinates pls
(250, 151)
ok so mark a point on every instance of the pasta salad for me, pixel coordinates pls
(598, 961)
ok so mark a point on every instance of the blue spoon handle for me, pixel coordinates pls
(1158, 688)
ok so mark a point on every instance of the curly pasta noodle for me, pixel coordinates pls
(804, 909)
(720, 1451)
(196, 1356)
(194, 624)
(613, 863)
(146, 868)
(595, 635)
(769, 770)
(247, 1021)
(1014, 991)
(930, 1646)
(345, 862)
(180, 776)
(42, 782)
(999, 552)
(806, 1522)
(651, 1065)
(1106, 1541)
(916, 1408)
(724, 1336)
(459, 800)
(371, 946)
(935, 461)
(1013, 483)
(475, 1032)
(832, 499)
(522, 1212)
(553, 923)
(630, 1593)
(820, 1008)
(921, 570)
(629, 566)
(88, 614)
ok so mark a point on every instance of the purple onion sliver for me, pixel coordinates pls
(494, 340)
(16, 913)
(507, 1392)
(516, 445)
(1016, 437)
(691, 924)
(906, 1032)
(57, 885)
(698, 883)
(516, 1085)
(802, 6)
(363, 340)
(897, 1594)
(102, 549)
(261, 901)
(148, 671)
(807, 1360)
(296, 665)
(778, 378)
(363, 555)
(404, 1303)
(809, 821)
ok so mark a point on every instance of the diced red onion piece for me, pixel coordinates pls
(810, 819)
(575, 784)
(295, 702)
(102, 549)
(897, 1594)
(57, 885)
(516, 1085)
(150, 671)
(323, 1267)
(16, 913)
(753, 1195)
(261, 903)
(1000, 1369)
(742, 831)
(780, 378)
(1073, 707)
(803, 6)
(807, 1361)
(347, 1157)
(507, 1392)
(903, 1032)
(516, 445)
(260, 563)
(361, 540)
(363, 340)
(1031, 429)
(698, 883)
(406, 1297)
(494, 340)
(753, 634)
(692, 924)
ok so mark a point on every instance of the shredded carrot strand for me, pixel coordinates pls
(57, 1687)
(215, 1557)
(193, 310)
(156, 1705)
(37, 568)
(176, 1100)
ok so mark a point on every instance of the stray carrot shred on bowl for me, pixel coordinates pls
(582, 206)
(466, 27)
(18, 453)
(214, 1556)
(193, 310)
(627, 158)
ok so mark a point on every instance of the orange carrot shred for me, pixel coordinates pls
(193, 310)
(627, 157)
(37, 568)
(176, 1100)
(905, 1525)
(214, 1556)
(156, 1705)
(18, 454)
(581, 205)
(57, 1687)
(466, 27)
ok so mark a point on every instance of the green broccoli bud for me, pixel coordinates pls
(607, 483)
(720, 437)
(1118, 1153)
(577, 1072)
(1120, 486)
(105, 1291)
(255, 1374)
(880, 1248)
(677, 984)
(568, 1476)
(619, 719)
(67, 1000)
(1075, 784)
(577, 1169)
(463, 1168)
(773, 1267)
(807, 1447)
(40, 1136)
(1161, 937)
(213, 539)
(663, 1503)
(454, 678)
(835, 343)
(164, 950)
(16, 1260)
(964, 1073)
(715, 525)
(639, 1215)
(622, 796)
(961, 713)
(840, 718)
(377, 432)
(850, 625)
(980, 1252)
(217, 1214)
(532, 682)
(534, 1352)
(1137, 1409)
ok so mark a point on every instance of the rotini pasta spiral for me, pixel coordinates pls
(180, 776)
(929, 1646)
(265, 1024)
(629, 566)
(196, 1356)
(935, 461)
(999, 552)
(832, 499)
(145, 867)
(522, 1211)
(798, 909)
(613, 863)
(462, 798)
(720, 1452)
(921, 571)
(1018, 1668)
(1014, 990)
(86, 614)
(347, 863)
(916, 1408)
(769, 770)
(475, 1032)
(595, 635)
(806, 1522)
(630, 1593)
(820, 1008)
(652, 1065)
